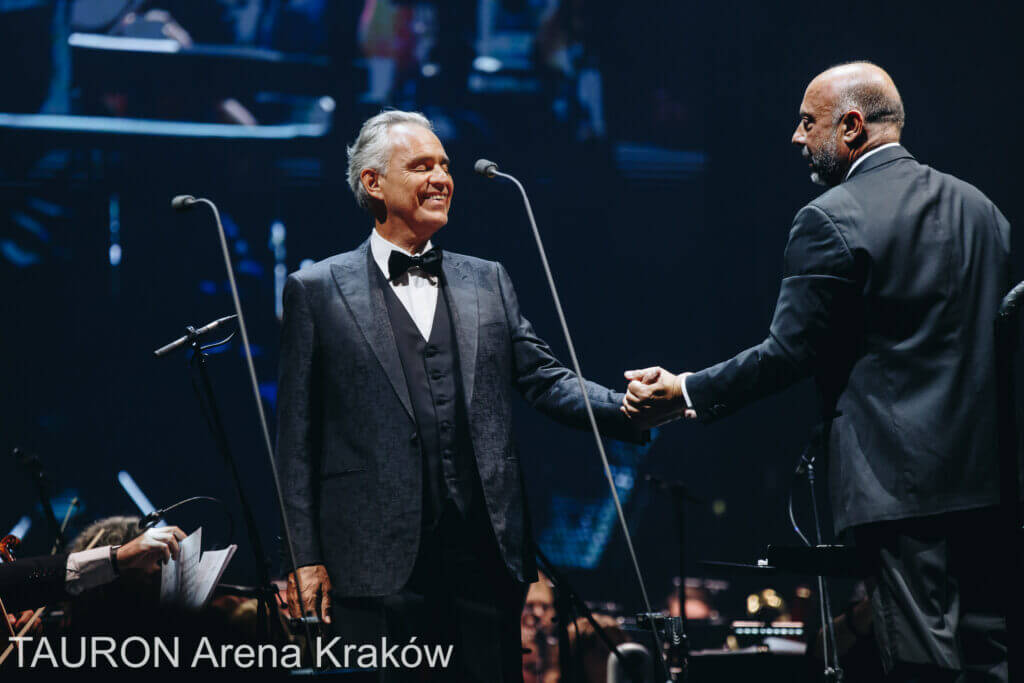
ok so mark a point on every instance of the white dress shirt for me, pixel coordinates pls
(88, 569)
(682, 379)
(876, 149)
(416, 289)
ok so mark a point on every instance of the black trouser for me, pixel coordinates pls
(460, 593)
(939, 596)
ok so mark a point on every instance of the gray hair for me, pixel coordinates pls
(116, 531)
(372, 148)
(876, 102)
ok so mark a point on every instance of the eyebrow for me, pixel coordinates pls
(427, 157)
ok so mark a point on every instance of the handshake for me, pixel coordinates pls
(655, 396)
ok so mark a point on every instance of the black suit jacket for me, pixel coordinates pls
(349, 460)
(891, 285)
(32, 582)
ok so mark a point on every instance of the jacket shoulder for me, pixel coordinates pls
(472, 261)
(320, 271)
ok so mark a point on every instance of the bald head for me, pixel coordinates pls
(847, 111)
(865, 87)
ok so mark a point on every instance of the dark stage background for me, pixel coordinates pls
(660, 169)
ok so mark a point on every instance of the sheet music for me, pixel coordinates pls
(190, 580)
(211, 568)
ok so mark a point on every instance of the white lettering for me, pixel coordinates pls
(44, 645)
(111, 646)
(173, 658)
(204, 651)
(291, 656)
(350, 647)
(415, 650)
(388, 654)
(18, 641)
(321, 651)
(245, 656)
(65, 660)
(368, 654)
(437, 655)
(145, 652)
(267, 647)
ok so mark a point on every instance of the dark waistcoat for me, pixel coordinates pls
(435, 390)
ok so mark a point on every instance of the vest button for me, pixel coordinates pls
(430, 351)
(446, 425)
(436, 374)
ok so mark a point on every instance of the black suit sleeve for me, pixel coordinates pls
(297, 454)
(552, 388)
(818, 296)
(32, 582)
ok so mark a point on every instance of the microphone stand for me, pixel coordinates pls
(567, 602)
(680, 497)
(830, 650)
(1007, 446)
(489, 169)
(32, 465)
(183, 202)
(265, 592)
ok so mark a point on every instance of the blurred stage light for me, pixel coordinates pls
(22, 527)
(488, 65)
(136, 494)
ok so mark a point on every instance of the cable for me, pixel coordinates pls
(153, 517)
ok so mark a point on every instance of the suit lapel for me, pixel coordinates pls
(365, 300)
(462, 301)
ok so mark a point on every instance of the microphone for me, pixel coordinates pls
(183, 202)
(485, 168)
(181, 341)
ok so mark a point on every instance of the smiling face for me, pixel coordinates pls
(417, 188)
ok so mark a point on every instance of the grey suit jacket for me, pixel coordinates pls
(891, 286)
(347, 450)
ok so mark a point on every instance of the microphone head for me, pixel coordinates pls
(183, 202)
(485, 168)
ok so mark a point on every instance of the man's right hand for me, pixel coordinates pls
(146, 551)
(316, 593)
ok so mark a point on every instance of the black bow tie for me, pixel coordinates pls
(399, 263)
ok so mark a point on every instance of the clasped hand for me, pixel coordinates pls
(655, 396)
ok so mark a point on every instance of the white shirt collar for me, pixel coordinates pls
(382, 248)
(876, 149)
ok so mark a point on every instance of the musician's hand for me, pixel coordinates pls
(18, 621)
(654, 397)
(147, 551)
(316, 593)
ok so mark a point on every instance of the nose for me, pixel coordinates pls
(439, 176)
(799, 138)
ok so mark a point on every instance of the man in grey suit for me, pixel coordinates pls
(398, 364)
(892, 282)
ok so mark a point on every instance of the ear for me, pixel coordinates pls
(371, 183)
(852, 126)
